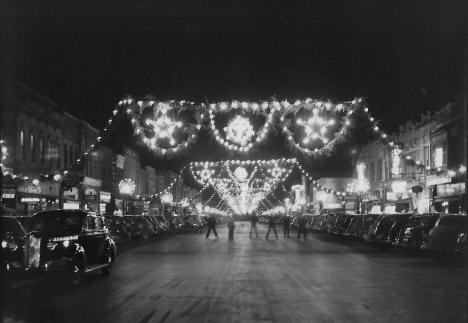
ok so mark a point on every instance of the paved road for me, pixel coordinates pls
(186, 278)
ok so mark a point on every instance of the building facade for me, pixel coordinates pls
(424, 170)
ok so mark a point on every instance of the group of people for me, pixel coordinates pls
(286, 222)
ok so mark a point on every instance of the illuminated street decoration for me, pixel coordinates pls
(327, 125)
(315, 127)
(242, 184)
(163, 127)
(240, 135)
(239, 130)
(167, 198)
(127, 187)
(160, 131)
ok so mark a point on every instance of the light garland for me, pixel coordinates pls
(316, 126)
(163, 127)
(240, 135)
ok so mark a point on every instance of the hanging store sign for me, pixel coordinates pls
(451, 189)
(438, 179)
(105, 197)
(8, 194)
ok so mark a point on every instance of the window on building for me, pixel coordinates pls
(22, 145)
(32, 147)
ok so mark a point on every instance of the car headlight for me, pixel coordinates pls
(66, 243)
(4, 244)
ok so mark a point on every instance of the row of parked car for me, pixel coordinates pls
(74, 241)
(440, 233)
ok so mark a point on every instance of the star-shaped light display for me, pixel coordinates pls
(164, 128)
(315, 127)
(239, 130)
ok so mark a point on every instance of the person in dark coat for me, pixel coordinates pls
(301, 226)
(286, 223)
(253, 225)
(231, 227)
(211, 222)
(271, 226)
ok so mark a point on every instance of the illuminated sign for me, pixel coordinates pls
(396, 160)
(30, 200)
(438, 157)
(127, 186)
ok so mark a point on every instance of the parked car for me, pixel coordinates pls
(317, 223)
(360, 224)
(69, 241)
(330, 221)
(448, 235)
(385, 228)
(414, 233)
(343, 221)
(118, 229)
(13, 236)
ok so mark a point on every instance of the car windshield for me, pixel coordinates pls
(58, 222)
(454, 221)
(10, 225)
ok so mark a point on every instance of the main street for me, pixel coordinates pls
(189, 279)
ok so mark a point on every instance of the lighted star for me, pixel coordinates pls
(315, 127)
(164, 128)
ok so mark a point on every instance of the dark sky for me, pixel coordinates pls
(405, 58)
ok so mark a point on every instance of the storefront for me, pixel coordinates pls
(71, 199)
(8, 198)
(90, 191)
(449, 198)
(104, 201)
(39, 196)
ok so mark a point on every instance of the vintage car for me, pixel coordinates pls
(360, 224)
(317, 223)
(12, 235)
(68, 241)
(414, 233)
(189, 224)
(448, 235)
(118, 229)
(385, 228)
(343, 221)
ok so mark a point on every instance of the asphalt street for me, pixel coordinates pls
(186, 278)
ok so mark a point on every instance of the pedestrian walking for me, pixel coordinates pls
(231, 227)
(211, 222)
(302, 226)
(253, 225)
(286, 223)
(272, 226)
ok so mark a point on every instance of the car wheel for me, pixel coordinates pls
(108, 259)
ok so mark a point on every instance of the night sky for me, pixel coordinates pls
(404, 58)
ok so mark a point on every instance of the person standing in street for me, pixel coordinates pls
(286, 223)
(253, 225)
(272, 226)
(211, 222)
(301, 226)
(231, 227)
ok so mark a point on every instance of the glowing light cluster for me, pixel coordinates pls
(127, 186)
(239, 130)
(316, 126)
